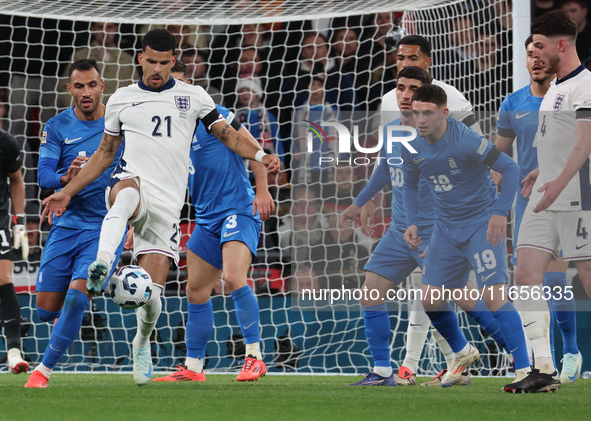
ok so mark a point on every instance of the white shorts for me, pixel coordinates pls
(157, 227)
(552, 231)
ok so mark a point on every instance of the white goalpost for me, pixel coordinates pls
(261, 59)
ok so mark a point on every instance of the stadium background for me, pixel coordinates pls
(269, 50)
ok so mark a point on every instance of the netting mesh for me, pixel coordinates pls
(276, 64)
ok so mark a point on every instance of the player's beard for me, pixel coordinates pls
(552, 64)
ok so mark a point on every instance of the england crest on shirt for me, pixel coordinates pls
(558, 101)
(183, 103)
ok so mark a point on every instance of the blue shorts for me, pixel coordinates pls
(453, 251)
(67, 254)
(394, 259)
(520, 205)
(207, 239)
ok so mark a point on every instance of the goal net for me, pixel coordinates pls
(282, 66)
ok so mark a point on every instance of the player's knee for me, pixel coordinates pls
(430, 305)
(522, 275)
(197, 294)
(46, 315)
(586, 281)
(234, 281)
(5, 279)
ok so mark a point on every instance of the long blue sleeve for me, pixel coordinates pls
(46, 175)
(379, 179)
(510, 171)
(410, 191)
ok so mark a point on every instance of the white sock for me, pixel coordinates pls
(115, 222)
(522, 373)
(418, 328)
(383, 371)
(46, 371)
(535, 318)
(448, 354)
(194, 364)
(254, 350)
(147, 316)
(464, 351)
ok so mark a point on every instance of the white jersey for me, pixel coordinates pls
(459, 107)
(158, 128)
(566, 102)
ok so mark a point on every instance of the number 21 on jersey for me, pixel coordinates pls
(158, 122)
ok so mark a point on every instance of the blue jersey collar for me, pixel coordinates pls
(571, 74)
(166, 86)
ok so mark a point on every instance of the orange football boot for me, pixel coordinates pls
(183, 375)
(252, 370)
(37, 379)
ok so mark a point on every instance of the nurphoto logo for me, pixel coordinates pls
(395, 133)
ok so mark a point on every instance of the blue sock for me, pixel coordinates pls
(564, 312)
(445, 321)
(551, 331)
(486, 319)
(66, 328)
(247, 313)
(377, 332)
(199, 328)
(512, 330)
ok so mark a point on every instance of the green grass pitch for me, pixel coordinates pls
(115, 397)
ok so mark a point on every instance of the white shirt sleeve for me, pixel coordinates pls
(389, 108)
(112, 123)
(459, 107)
(582, 100)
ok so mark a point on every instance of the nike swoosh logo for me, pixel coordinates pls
(486, 278)
(246, 327)
(416, 161)
(416, 324)
(137, 103)
(4, 252)
(518, 116)
(51, 346)
(68, 141)
(112, 217)
(8, 321)
(578, 248)
(513, 350)
(229, 234)
(149, 375)
(573, 378)
(528, 324)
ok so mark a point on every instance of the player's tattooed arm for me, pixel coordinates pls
(96, 165)
(110, 144)
(231, 139)
(242, 146)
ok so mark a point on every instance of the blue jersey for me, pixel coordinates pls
(65, 137)
(427, 207)
(453, 168)
(218, 181)
(518, 118)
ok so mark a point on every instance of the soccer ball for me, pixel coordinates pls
(130, 287)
